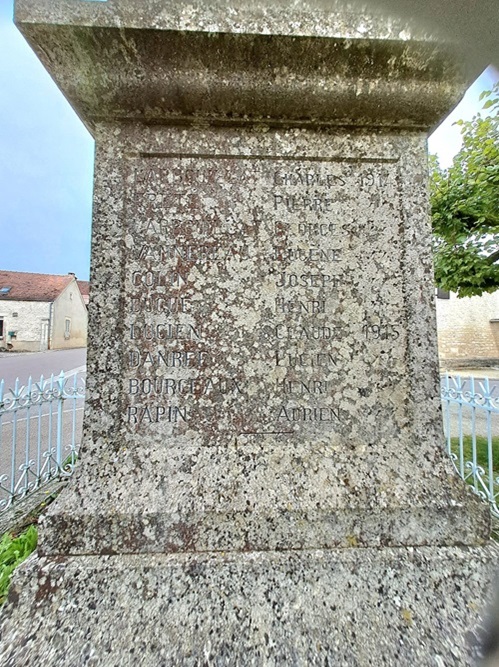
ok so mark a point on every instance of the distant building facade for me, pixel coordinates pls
(84, 287)
(468, 329)
(40, 312)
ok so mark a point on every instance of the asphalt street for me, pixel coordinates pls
(23, 364)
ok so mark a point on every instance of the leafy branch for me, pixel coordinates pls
(465, 207)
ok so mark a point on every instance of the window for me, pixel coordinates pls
(5, 290)
(442, 293)
(67, 328)
(1, 328)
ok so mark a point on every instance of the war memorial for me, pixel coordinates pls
(262, 477)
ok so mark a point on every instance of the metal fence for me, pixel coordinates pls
(471, 425)
(40, 430)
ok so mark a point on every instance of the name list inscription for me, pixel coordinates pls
(245, 288)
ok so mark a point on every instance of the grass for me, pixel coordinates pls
(482, 455)
(13, 550)
(19, 542)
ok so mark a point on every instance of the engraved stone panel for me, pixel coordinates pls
(248, 308)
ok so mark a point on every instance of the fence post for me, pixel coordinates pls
(60, 405)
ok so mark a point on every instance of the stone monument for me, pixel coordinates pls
(262, 478)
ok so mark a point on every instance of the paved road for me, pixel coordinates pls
(461, 420)
(24, 364)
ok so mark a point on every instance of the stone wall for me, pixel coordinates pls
(468, 329)
(28, 324)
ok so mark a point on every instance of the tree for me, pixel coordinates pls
(465, 207)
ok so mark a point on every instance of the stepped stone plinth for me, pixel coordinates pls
(262, 479)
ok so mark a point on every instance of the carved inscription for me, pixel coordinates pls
(154, 413)
(312, 204)
(247, 300)
(191, 386)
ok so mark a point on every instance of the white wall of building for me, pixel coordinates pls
(69, 305)
(468, 328)
(28, 320)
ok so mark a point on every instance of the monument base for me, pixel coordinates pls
(389, 606)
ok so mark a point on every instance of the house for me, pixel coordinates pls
(40, 312)
(84, 287)
(468, 330)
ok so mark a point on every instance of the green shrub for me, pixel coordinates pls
(13, 550)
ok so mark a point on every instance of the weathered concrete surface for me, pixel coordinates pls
(280, 428)
(263, 460)
(218, 62)
(280, 17)
(348, 607)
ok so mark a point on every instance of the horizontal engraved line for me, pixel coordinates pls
(275, 158)
(266, 433)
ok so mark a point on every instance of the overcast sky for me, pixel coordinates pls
(46, 158)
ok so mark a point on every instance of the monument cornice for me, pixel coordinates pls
(165, 75)
(315, 18)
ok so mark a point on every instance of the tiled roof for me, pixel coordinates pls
(84, 286)
(31, 286)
